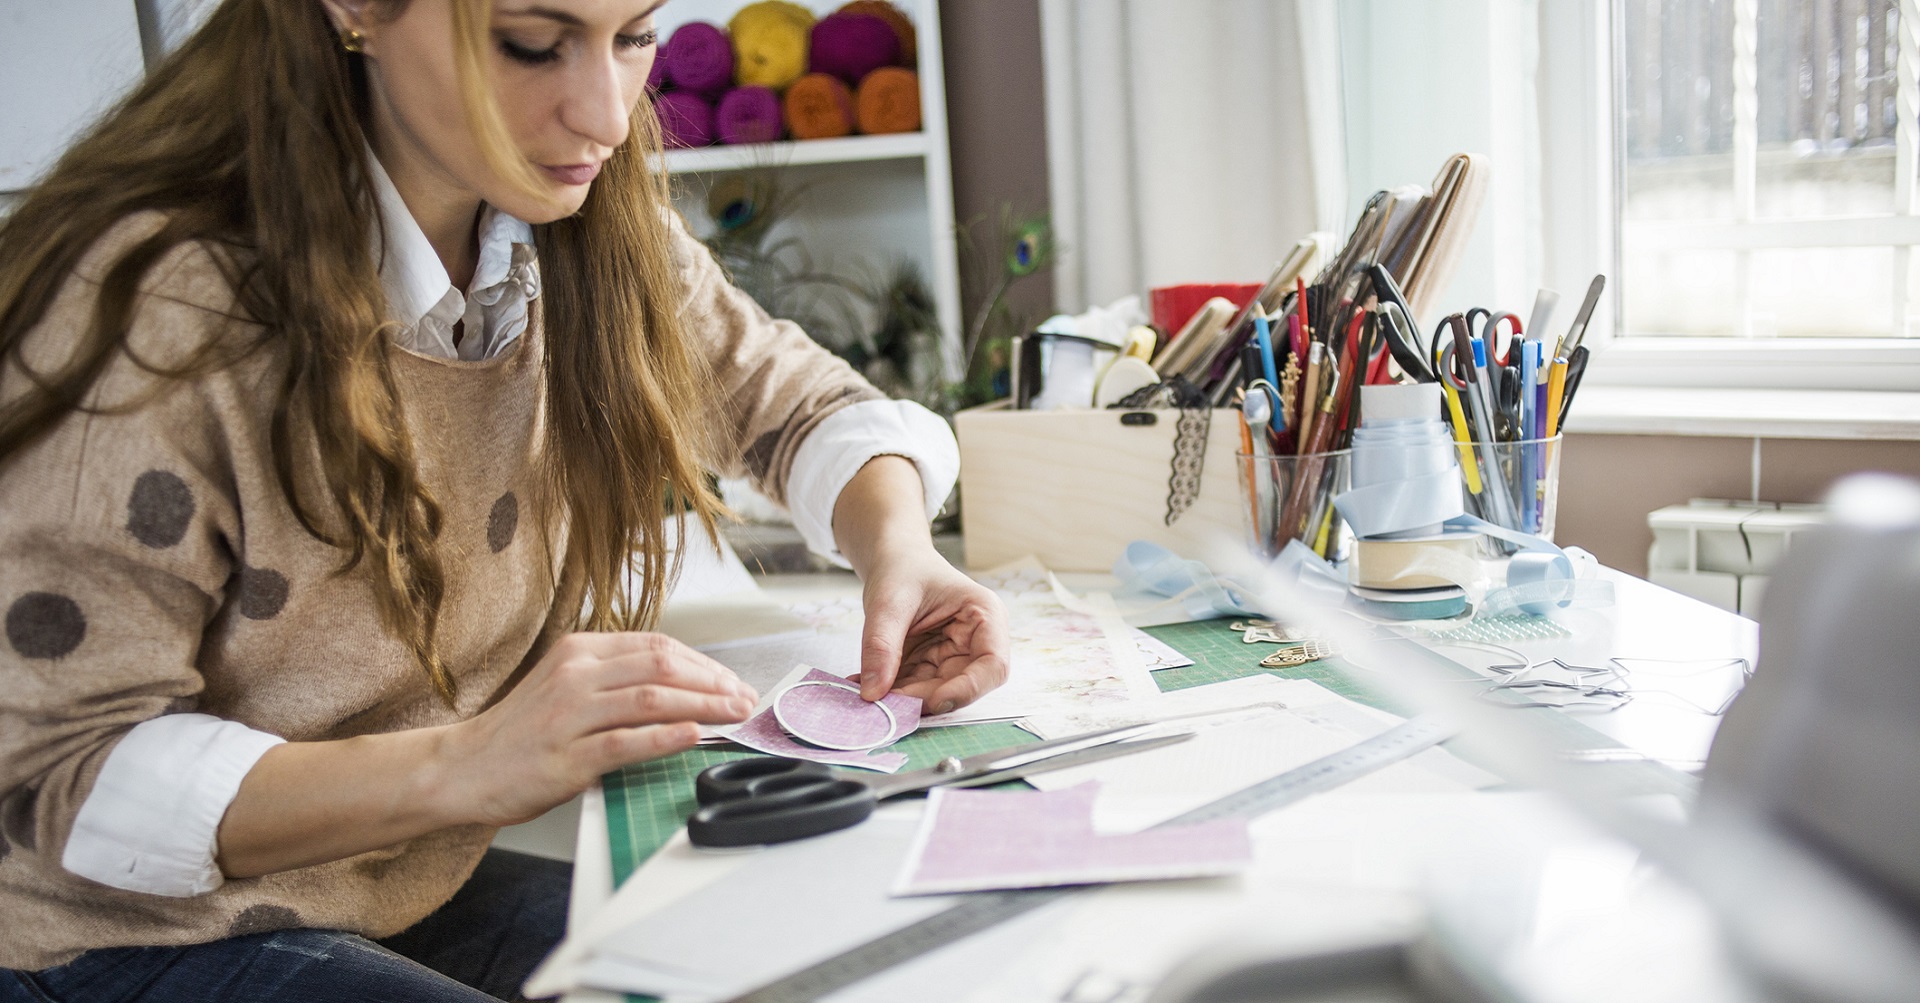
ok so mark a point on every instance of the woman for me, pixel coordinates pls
(345, 362)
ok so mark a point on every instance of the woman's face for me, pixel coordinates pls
(566, 75)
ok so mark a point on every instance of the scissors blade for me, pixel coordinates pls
(1081, 758)
(950, 771)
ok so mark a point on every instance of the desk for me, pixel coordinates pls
(1645, 622)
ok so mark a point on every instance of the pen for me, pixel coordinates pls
(1525, 489)
(1542, 374)
(1263, 336)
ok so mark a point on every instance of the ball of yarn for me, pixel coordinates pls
(686, 119)
(850, 46)
(699, 57)
(770, 43)
(888, 101)
(896, 19)
(748, 115)
(819, 106)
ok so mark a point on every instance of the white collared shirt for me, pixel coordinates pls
(492, 313)
(151, 820)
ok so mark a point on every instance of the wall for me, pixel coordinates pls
(61, 65)
(1608, 483)
(996, 124)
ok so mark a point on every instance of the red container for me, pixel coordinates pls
(1173, 306)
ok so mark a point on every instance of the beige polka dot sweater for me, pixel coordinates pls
(150, 565)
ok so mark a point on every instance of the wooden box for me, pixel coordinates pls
(1073, 488)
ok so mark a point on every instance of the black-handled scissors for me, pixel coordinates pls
(754, 802)
(1403, 338)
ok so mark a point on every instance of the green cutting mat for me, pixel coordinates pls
(1219, 654)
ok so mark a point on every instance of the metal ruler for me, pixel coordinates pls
(983, 911)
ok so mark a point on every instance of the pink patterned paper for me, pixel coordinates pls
(975, 841)
(833, 716)
(763, 732)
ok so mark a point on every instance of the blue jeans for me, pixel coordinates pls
(478, 948)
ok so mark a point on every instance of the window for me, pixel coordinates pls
(1751, 233)
(1765, 170)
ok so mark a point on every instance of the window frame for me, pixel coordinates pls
(1581, 162)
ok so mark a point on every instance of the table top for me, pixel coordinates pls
(636, 810)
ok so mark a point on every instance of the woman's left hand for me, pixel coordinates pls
(931, 632)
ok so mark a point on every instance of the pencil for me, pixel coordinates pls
(1310, 393)
(1556, 386)
(1253, 474)
(1300, 306)
(1462, 440)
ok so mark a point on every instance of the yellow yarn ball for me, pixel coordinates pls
(770, 43)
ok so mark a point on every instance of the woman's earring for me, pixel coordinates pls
(352, 40)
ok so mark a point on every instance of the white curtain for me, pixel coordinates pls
(1188, 140)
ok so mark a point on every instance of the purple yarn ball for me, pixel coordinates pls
(699, 57)
(850, 46)
(749, 115)
(686, 119)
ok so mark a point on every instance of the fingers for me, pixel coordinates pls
(880, 642)
(610, 750)
(617, 661)
(981, 677)
(653, 704)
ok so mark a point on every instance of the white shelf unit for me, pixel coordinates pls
(876, 198)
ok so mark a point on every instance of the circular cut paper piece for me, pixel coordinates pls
(833, 717)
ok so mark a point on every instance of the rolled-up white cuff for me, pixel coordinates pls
(152, 820)
(844, 441)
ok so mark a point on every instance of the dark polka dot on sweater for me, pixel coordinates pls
(263, 592)
(45, 625)
(502, 521)
(160, 509)
(262, 919)
(16, 821)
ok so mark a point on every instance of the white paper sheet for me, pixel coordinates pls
(1147, 788)
(763, 663)
(790, 906)
(1245, 693)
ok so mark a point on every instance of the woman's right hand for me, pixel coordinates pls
(596, 702)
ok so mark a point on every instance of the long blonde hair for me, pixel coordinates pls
(249, 140)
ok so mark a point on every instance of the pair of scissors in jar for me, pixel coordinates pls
(764, 800)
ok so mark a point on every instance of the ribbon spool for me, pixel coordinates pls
(1411, 524)
(1413, 563)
